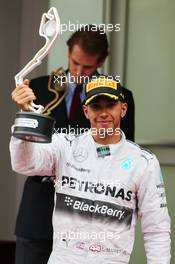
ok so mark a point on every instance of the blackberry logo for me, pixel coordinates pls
(93, 208)
(99, 208)
(68, 201)
(96, 209)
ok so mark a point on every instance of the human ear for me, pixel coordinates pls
(85, 109)
(124, 108)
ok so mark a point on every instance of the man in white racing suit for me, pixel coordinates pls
(102, 184)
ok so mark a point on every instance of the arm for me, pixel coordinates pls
(155, 221)
(33, 158)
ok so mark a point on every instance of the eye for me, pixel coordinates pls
(95, 106)
(88, 67)
(76, 63)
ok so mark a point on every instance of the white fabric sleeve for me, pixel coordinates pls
(155, 221)
(30, 158)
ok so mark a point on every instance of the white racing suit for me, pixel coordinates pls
(99, 193)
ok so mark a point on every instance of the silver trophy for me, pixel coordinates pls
(37, 125)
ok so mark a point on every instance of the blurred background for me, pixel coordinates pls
(141, 53)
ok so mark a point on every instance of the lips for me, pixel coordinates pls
(104, 121)
(104, 124)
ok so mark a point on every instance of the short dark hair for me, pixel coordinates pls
(92, 41)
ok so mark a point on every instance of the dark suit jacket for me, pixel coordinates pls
(34, 218)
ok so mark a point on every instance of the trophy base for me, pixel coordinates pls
(33, 127)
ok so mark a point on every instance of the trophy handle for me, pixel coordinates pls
(49, 29)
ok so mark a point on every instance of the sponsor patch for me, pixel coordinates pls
(126, 165)
(103, 151)
(101, 82)
(93, 208)
(96, 188)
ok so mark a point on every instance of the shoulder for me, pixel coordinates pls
(39, 86)
(139, 151)
(39, 81)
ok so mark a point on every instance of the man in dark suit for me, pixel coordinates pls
(87, 51)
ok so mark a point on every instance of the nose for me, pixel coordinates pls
(103, 113)
(79, 70)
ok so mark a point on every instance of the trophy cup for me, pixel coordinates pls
(37, 125)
